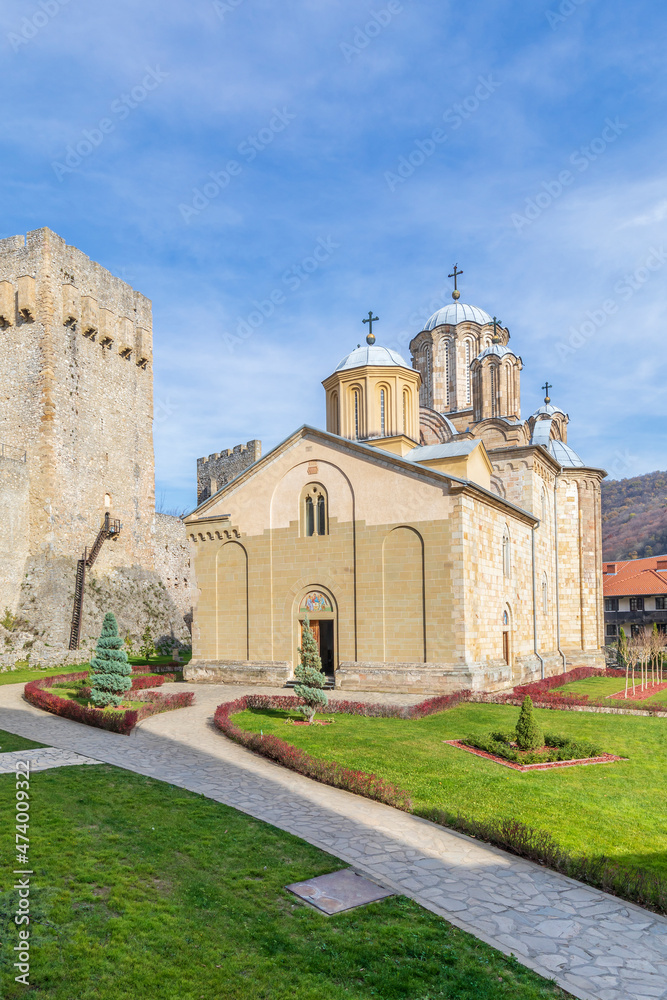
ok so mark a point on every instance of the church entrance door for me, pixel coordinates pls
(323, 633)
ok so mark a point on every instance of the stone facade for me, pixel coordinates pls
(220, 468)
(76, 419)
(464, 556)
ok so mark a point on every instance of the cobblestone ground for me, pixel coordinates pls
(593, 945)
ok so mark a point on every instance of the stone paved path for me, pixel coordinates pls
(42, 759)
(595, 946)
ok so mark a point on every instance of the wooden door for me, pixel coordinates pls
(506, 647)
(315, 629)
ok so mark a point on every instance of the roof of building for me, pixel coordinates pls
(429, 452)
(549, 410)
(635, 577)
(372, 355)
(499, 350)
(564, 455)
(457, 312)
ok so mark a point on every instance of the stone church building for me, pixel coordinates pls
(435, 539)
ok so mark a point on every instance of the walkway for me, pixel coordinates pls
(593, 945)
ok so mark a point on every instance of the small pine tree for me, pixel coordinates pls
(310, 676)
(147, 647)
(529, 736)
(109, 678)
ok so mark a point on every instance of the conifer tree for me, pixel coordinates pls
(310, 676)
(110, 675)
(529, 736)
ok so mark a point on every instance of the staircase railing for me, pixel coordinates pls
(110, 529)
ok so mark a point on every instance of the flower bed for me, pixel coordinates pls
(328, 772)
(115, 720)
(605, 758)
(640, 695)
(556, 748)
(545, 694)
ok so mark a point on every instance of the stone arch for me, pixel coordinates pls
(403, 605)
(232, 602)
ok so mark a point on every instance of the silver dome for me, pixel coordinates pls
(372, 355)
(458, 312)
(499, 350)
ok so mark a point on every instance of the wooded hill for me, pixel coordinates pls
(634, 516)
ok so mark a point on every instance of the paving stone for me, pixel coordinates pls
(593, 945)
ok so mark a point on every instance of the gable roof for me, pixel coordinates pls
(368, 453)
(632, 577)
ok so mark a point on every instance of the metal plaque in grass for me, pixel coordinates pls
(338, 891)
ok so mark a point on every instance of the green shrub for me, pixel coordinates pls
(110, 675)
(504, 737)
(310, 676)
(529, 736)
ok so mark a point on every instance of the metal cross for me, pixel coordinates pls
(546, 388)
(496, 324)
(371, 319)
(455, 275)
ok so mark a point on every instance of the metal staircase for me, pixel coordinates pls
(110, 529)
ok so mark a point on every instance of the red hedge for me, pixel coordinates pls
(328, 772)
(37, 693)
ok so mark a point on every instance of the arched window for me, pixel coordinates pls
(507, 553)
(335, 418)
(314, 510)
(545, 593)
(494, 389)
(445, 371)
(468, 359)
(107, 500)
(506, 618)
(407, 429)
(356, 400)
(425, 391)
(383, 396)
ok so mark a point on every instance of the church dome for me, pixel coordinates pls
(457, 312)
(499, 350)
(547, 410)
(372, 355)
(567, 457)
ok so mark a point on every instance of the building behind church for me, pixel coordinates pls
(434, 539)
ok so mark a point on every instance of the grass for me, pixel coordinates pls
(73, 693)
(9, 742)
(142, 889)
(22, 676)
(602, 687)
(612, 809)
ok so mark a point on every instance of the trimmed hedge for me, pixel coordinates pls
(328, 772)
(113, 720)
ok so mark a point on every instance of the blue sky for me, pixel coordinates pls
(340, 156)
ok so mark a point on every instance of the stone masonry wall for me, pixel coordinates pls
(220, 468)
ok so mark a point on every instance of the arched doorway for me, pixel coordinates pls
(320, 608)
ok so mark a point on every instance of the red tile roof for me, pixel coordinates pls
(635, 577)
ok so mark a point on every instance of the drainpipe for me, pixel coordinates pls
(557, 590)
(542, 670)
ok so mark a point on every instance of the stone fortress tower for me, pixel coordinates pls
(76, 439)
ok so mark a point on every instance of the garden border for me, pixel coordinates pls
(607, 758)
(37, 694)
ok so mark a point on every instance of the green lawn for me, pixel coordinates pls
(22, 676)
(73, 694)
(9, 742)
(142, 889)
(614, 809)
(602, 687)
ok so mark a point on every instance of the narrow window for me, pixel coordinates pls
(507, 554)
(467, 370)
(544, 506)
(493, 392)
(382, 422)
(356, 413)
(445, 361)
(334, 413)
(310, 517)
(321, 516)
(545, 594)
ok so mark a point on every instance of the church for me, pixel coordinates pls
(434, 539)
